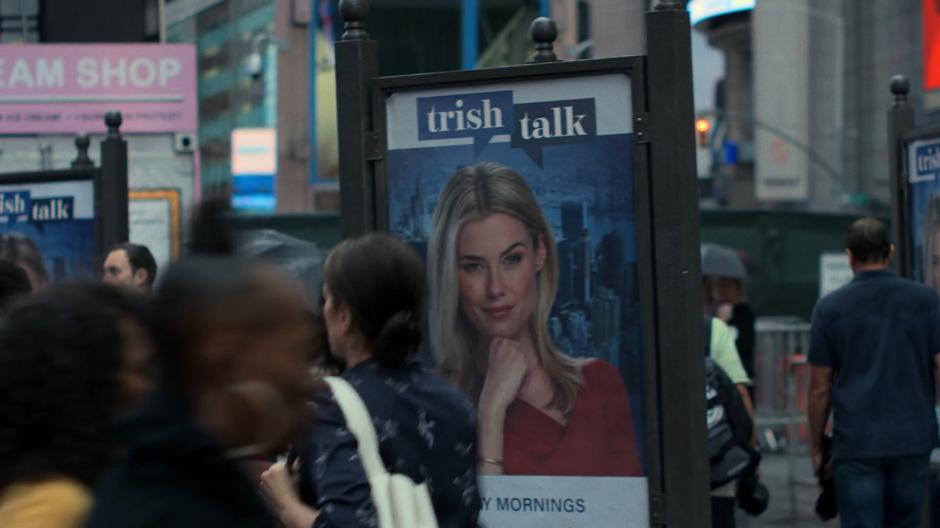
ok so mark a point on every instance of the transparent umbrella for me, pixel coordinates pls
(303, 260)
(721, 261)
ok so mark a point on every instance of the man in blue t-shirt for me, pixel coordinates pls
(873, 356)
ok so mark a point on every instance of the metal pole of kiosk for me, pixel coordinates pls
(112, 186)
(900, 121)
(675, 241)
(357, 65)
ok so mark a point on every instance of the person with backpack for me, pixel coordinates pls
(721, 350)
(730, 382)
(388, 423)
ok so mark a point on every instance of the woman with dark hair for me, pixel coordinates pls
(60, 372)
(234, 347)
(136, 323)
(373, 292)
(23, 252)
(13, 282)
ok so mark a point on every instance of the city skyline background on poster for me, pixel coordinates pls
(69, 247)
(586, 191)
(924, 183)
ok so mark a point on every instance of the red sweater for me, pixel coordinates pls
(598, 440)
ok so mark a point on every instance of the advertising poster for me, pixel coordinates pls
(60, 218)
(533, 254)
(923, 176)
(834, 272)
(154, 221)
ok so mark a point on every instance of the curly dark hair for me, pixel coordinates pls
(13, 282)
(60, 355)
(20, 249)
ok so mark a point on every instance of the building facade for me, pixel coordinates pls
(799, 108)
(226, 33)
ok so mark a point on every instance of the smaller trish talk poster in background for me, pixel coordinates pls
(521, 198)
(923, 179)
(60, 218)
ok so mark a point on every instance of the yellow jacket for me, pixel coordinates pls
(53, 503)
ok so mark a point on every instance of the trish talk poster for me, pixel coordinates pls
(522, 198)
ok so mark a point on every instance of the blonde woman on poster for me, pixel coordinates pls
(931, 256)
(493, 267)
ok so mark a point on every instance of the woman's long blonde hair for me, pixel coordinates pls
(474, 193)
(931, 225)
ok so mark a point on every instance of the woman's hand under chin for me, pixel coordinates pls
(505, 373)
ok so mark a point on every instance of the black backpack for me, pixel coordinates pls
(730, 427)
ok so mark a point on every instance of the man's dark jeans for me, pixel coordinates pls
(882, 492)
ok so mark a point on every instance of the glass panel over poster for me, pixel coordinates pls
(923, 176)
(57, 213)
(522, 197)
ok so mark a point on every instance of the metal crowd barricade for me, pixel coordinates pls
(781, 383)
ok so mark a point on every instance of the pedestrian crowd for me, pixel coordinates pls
(217, 393)
(874, 364)
(132, 401)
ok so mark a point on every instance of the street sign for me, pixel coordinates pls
(834, 272)
(254, 168)
(68, 88)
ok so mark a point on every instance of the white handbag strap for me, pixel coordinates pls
(360, 425)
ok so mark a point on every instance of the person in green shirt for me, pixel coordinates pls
(723, 351)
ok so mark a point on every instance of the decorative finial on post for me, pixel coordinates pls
(113, 120)
(543, 32)
(900, 87)
(82, 161)
(354, 12)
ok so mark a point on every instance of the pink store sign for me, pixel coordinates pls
(54, 89)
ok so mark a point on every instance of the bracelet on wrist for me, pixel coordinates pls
(491, 461)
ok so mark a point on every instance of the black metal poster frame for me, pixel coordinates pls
(667, 222)
(109, 182)
(900, 122)
(632, 67)
(901, 134)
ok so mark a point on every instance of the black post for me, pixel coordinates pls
(356, 66)
(684, 497)
(900, 121)
(82, 161)
(111, 208)
(543, 32)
